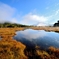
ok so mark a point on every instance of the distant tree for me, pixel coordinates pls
(56, 24)
(7, 24)
(58, 21)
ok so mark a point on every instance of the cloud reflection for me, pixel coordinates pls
(31, 34)
(41, 38)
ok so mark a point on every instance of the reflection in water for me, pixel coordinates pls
(41, 38)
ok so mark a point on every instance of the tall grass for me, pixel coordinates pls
(12, 49)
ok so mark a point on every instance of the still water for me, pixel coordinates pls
(41, 38)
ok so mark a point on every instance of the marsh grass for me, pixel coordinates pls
(12, 49)
(46, 28)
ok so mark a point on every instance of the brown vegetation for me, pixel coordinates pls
(54, 52)
(46, 28)
(12, 49)
(50, 53)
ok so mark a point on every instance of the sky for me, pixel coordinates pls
(30, 12)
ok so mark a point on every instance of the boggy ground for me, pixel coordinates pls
(12, 49)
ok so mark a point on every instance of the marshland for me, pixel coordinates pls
(25, 47)
(29, 29)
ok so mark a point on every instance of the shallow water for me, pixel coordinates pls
(41, 38)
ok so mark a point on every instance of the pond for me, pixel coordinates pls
(41, 38)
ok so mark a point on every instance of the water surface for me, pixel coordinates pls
(41, 38)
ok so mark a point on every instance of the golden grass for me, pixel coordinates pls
(12, 49)
(8, 32)
(46, 28)
(43, 54)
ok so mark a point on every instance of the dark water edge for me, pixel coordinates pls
(43, 39)
(0, 37)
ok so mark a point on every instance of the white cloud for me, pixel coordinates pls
(33, 18)
(41, 24)
(6, 12)
(54, 17)
(14, 20)
(57, 12)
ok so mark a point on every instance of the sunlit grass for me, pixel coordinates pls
(47, 28)
(12, 49)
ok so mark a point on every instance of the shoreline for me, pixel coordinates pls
(46, 28)
(10, 32)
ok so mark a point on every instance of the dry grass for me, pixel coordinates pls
(12, 49)
(54, 52)
(46, 28)
(8, 32)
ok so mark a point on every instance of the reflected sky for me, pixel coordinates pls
(41, 38)
(31, 34)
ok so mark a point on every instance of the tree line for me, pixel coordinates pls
(11, 25)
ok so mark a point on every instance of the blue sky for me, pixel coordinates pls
(30, 12)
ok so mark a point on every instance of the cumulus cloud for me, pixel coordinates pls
(14, 20)
(33, 18)
(6, 12)
(42, 24)
(40, 20)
